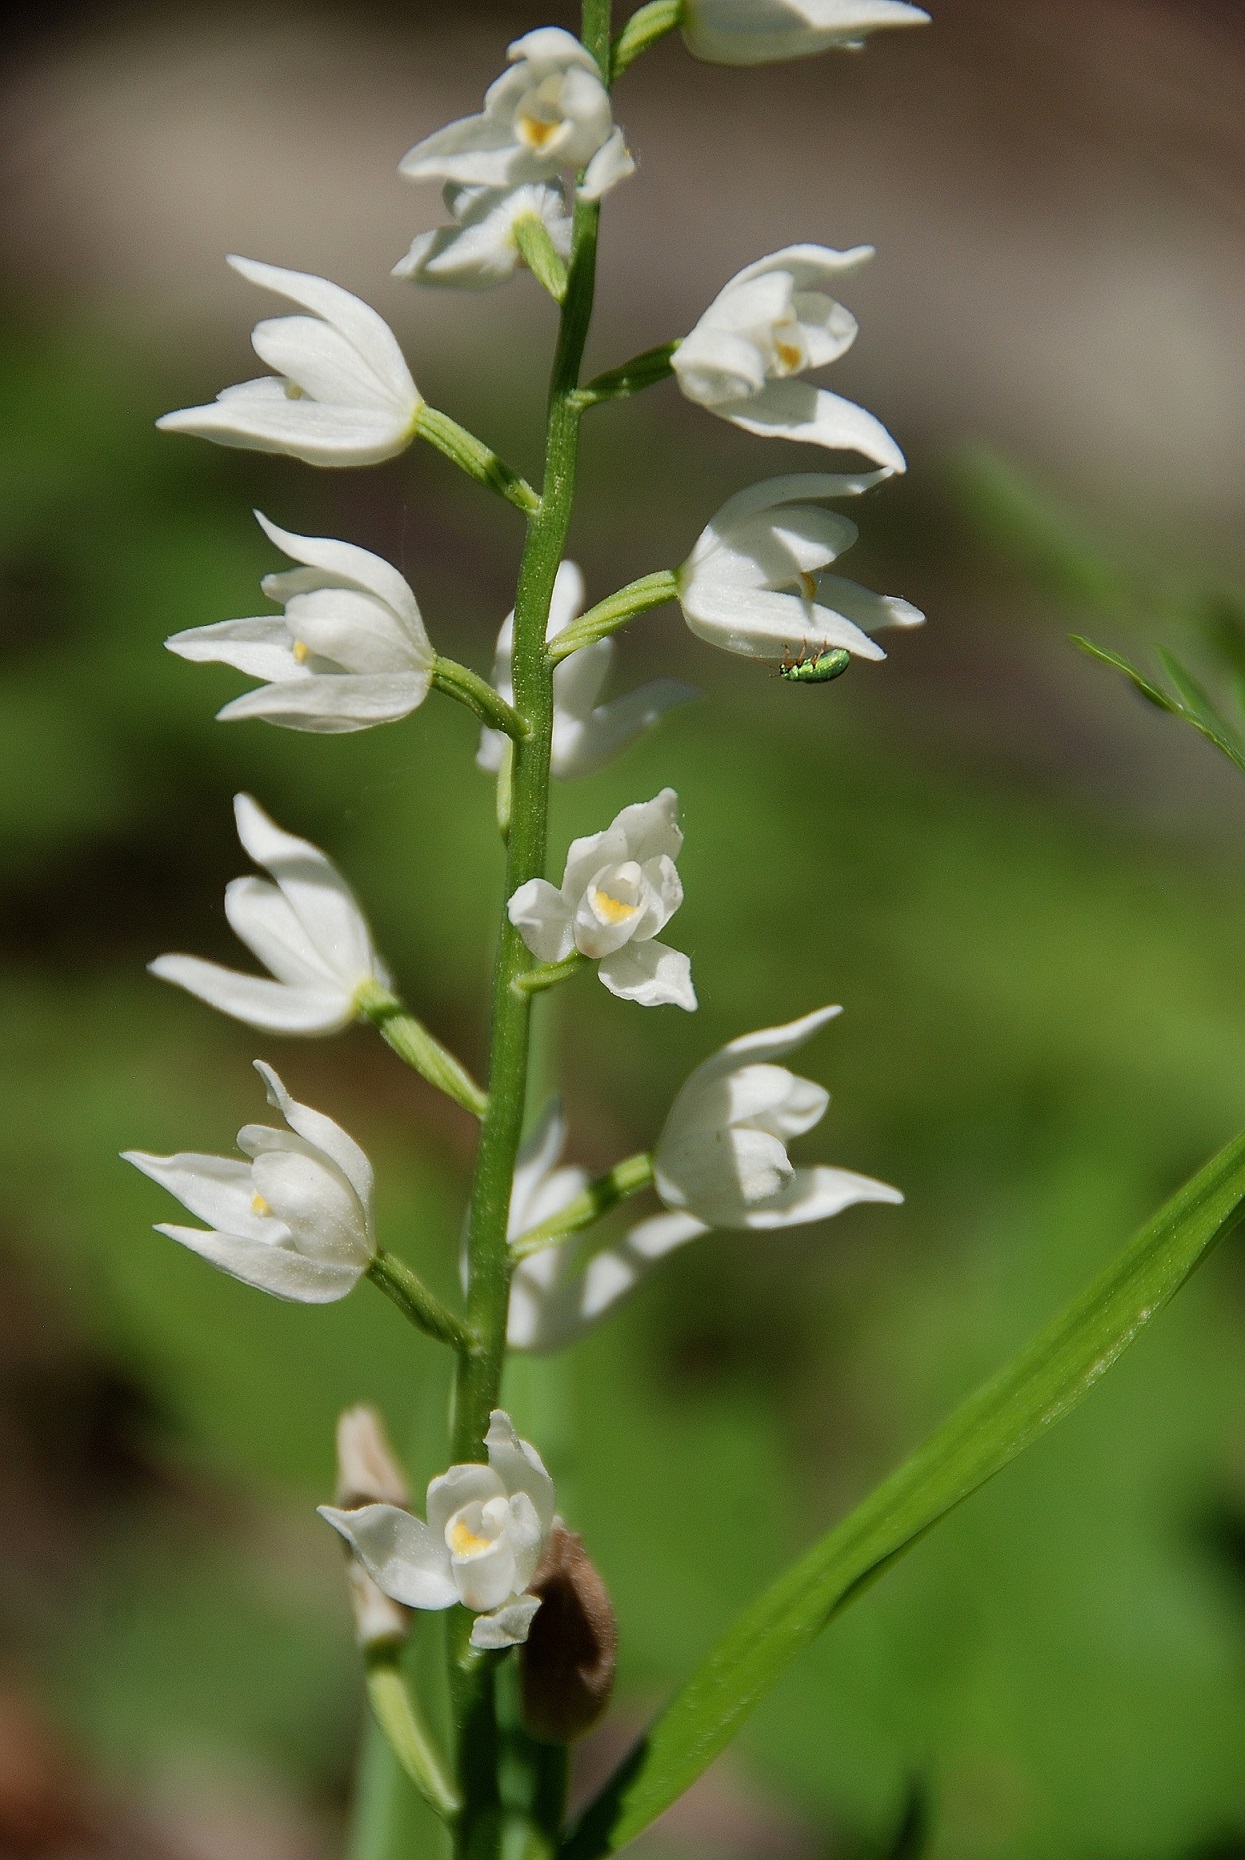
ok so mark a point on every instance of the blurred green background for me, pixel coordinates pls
(1025, 888)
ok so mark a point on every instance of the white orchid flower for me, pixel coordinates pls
(620, 887)
(295, 1220)
(759, 32)
(349, 652)
(342, 393)
(586, 735)
(486, 1527)
(721, 1159)
(480, 249)
(548, 112)
(770, 324)
(306, 928)
(755, 581)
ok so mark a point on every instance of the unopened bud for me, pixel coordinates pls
(368, 1472)
(567, 1663)
(377, 1618)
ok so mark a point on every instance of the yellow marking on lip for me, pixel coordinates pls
(788, 354)
(613, 910)
(465, 1542)
(536, 132)
(259, 1205)
(809, 585)
(301, 652)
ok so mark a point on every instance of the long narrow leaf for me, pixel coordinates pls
(1195, 709)
(1041, 1385)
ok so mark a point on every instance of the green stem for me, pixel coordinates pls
(477, 1385)
(411, 1041)
(624, 1179)
(642, 371)
(550, 1769)
(459, 681)
(615, 611)
(415, 1301)
(399, 1716)
(547, 974)
(475, 458)
(643, 29)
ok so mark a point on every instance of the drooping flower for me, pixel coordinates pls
(620, 887)
(306, 928)
(548, 112)
(341, 395)
(295, 1220)
(486, 1527)
(480, 249)
(755, 581)
(586, 735)
(721, 1159)
(758, 32)
(350, 650)
(764, 330)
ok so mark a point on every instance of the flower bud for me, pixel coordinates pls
(567, 1664)
(368, 1472)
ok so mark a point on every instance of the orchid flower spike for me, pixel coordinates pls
(306, 928)
(548, 112)
(586, 735)
(755, 581)
(480, 249)
(721, 1161)
(342, 393)
(295, 1220)
(350, 650)
(771, 323)
(759, 32)
(486, 1529)
(620, 887)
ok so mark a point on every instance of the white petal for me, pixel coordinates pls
(315, 1201)
(275, 1269)
(794, 409)
(566, 601)
(717, 1172)
(519, 1466)
(302, 429)
(485, 1578)
(614, 726)
(612, 163)
(650, 974)
(215, 1189)
(368, 332)
(861, 605)
(260, 647)
(814, 1195)
(765, 1044)
(321, 363)
(808, 266)
(770, 626)
(321, 1131)
(319, 896)
(332, 705)
(526, 1535)
(660, 1234)
(577, 682)
(507, 1626)
(552, 47)
(772, 493)
(252, 998)
(542, 917)
(771, 1098)
(460, 1485)
(723, 32)
(264, 919)
(536, 1160)
(354, 567)
(406, 1559)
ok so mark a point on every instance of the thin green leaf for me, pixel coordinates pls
(1038, 1388)
(1210, 725)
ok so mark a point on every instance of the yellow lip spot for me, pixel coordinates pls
(788, 354)
(259, 1205)
(809, 585)
(536, 132)
(613, 910)
(465, 1542)
(293, 391)
(301, 653)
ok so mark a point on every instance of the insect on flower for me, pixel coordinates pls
(818, 669)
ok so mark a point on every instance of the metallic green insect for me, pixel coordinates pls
(818, 669)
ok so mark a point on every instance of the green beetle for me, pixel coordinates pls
(831, 663)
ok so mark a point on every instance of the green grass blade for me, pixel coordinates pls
(1193, 704)
(1035, 1390)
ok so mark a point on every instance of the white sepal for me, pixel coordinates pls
(342, 393)
(479, 249)
(758, 32)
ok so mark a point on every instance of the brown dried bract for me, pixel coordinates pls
(567, 1664)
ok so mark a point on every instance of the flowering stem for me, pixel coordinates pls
(642, 371)
(477, 1384)
(540, 255)
(411, 1041)
(608, 615)
(643, 29)
(459, 681)
(547, 974)
(399, 1716)
(475, 458)
(416, 1302)
(624, 1179)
